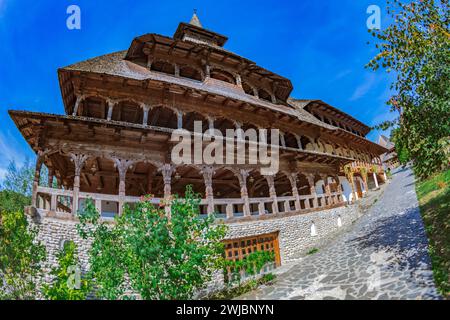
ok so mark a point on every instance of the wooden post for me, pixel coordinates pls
(167, 170)
(312, 188)
(242, 175)
(282, 140)
(208, 173)
(327, 189)
(145, 109)
(111, 104)
(293, 178)
(78, 161)
(37, 176)
(53, 201)
(299, 141)
(229, 209)
(51, 174)
(122, 166)
(261, 209)
(179, 120)
(272, 193)
(77, 104)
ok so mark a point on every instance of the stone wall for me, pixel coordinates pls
(295, 238)
(53, 232)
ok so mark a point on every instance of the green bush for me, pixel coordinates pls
(20, 257)
(68, 283)
(148, 253)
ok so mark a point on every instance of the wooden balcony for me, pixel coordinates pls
(58, 203)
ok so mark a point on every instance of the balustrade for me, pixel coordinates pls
(61, 201)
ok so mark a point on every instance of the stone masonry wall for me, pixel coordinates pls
(295, 238)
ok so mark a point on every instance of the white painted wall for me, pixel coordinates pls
(319, 187)
(347, 189)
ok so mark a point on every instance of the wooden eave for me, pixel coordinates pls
(37, 127)
(282, 116)
(200, 51)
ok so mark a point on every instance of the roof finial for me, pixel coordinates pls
(195, 20)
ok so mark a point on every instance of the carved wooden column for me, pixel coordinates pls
(167, 170)
(111, 104)
(255, 92)
(282, 139)
(272, 193)
(238, 80)
(242, 176)
(208, 173)
(327, 188)
(145, 109)
(299, 141)
(211, 123)
(274, 99)
(51, 174)
(37, 176)
(122, 166)
(312, 188)
(293, 178)
(78, 161)
(339, 189)
(77, 104)
(179, 120)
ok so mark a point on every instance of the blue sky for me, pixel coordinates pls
(320, 45)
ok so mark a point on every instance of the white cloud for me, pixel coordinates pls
(363, 88)
(343, 74)
(2, 174)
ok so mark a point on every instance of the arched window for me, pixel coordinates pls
(128, 111)
(306, 143)
(162, 117)
(163, 66)
(248, 89)
(222, 76)
(291, 140)
(190, 72)
(264, 95)
(190, 118)
(93, 107)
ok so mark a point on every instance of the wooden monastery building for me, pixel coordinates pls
(113, 144)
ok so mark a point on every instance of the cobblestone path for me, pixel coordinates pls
(383, 256)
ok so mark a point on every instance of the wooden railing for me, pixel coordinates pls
(61, 201)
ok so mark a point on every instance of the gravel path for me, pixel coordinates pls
(384, 256)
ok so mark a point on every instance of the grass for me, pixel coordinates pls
(313, 251)
(234, 292)
(434, 200)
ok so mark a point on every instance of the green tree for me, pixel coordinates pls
(19, 179)
(68, 283)
(146, 252)
(16, 188)
(416, 46)
(12, 201)
(20, 257)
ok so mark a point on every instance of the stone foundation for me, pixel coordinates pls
(294, 233)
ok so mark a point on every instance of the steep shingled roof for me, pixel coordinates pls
(195, 21)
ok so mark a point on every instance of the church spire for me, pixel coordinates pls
(195, 21)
